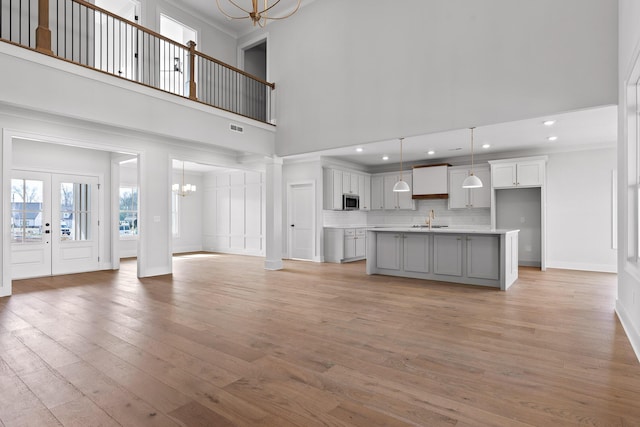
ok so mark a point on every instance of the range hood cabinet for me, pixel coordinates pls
(431, 181)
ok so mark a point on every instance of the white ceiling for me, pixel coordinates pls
(588, 128)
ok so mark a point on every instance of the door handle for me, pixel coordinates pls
(293, 225)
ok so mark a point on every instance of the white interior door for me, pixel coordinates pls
(54, 224)
(30, 224)
(301, 203)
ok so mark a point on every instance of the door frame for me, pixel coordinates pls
(314, 230)
(7, 136)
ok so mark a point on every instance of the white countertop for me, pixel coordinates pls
(409, 229)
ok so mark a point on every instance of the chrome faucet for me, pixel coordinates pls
(430, 218)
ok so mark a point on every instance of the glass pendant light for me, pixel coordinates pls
(401, 186)
(471, 181)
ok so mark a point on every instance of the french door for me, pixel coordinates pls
(54, 224)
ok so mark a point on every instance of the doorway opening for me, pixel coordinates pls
(174, 61)
(253, 60)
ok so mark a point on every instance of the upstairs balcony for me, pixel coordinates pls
(81, 33)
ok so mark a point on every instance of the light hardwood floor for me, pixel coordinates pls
(224, 342)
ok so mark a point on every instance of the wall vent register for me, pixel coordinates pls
(236, 128)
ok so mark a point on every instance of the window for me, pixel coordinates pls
(175, 214)
(27, 198)
(75, 213)
(128, 212)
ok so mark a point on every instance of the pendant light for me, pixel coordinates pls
(471, 181)
(184, 189)
(401, 186)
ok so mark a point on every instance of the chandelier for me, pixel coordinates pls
(258, 15)
(184, 189)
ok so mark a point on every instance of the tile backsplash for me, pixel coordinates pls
(477, 218)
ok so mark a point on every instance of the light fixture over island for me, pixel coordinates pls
(474, 257)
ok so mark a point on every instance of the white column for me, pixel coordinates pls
(154, 227)
(273, 214)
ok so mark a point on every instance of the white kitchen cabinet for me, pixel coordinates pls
(388, 247)
(483, 257)
(430, 182)
(461, 198)
(519, 173)
(344, 244)
(337, 182)
(364, 191)
(415, 252)
(396, 200)
(447, 254)
(377, 192)
(350, 183)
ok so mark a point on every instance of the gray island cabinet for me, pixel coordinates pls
(474, 257)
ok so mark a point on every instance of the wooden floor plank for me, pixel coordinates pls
(225, 342)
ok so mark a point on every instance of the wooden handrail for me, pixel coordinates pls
(153, 33)
(237, 70)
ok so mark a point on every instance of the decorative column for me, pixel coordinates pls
(273, 214)
(192, 70)
(43, 33)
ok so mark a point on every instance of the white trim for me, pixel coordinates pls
(290, 185)
(632, 333)
(248, 44)
(603, 268)
(7, 153)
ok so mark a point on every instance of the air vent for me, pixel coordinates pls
(236, 128)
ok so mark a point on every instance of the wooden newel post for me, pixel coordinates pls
(192, 70)
(43, 33)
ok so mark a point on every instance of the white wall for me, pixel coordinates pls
(190, 235)
(366, 73)
(580, 211)
(628, 303)
(234, 212)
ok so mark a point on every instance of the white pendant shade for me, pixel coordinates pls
(471, 181)
(401, 187)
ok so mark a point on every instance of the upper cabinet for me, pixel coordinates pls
(338, 182)
(461, 198)
(430, 182)
(383, 196)
(525, 172)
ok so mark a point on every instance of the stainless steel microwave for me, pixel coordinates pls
(350, 202)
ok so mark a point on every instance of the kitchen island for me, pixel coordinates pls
(474, 257)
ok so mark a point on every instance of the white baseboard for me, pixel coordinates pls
(602, 268)
(185, 249)
(318, 259)
(629, 328)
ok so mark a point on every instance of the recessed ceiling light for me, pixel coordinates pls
(431, 152)
(552, 138)
(385, 157)
(549, 122)
(359, 149)
(486, 146)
